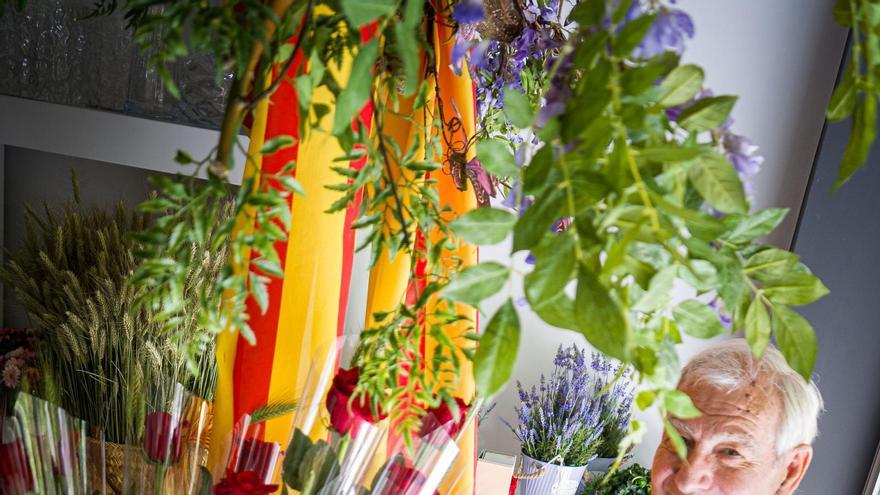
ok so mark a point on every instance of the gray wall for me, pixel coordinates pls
(34, 177)
(838, 238)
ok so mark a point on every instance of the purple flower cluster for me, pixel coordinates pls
(560, 419)
(17, 357)
(667, 34)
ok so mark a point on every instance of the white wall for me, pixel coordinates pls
(781, 57)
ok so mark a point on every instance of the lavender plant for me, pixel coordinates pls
(617, 411)
(561, 419)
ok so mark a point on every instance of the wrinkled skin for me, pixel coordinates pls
(731, 447)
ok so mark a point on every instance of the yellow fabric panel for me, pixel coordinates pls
(457, 98)
(227, 342)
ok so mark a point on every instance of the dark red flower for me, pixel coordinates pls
(347, 415)
(15, 472)
(243, 483)
(162, 442)
(402, 480)
(443, 417)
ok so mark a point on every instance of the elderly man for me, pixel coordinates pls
(753, 437)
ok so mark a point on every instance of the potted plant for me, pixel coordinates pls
(634, 480)
(559, 423)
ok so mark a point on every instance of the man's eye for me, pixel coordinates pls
(730, 452)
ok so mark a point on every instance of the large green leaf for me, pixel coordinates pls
(354, 95)
(707, 114)
(554, 267)
(864, 128)
(484, 225)
(517, 108)
(475, 283)
(535, 223)
(600, 317)
(682, 84)
(758, 327)
(797, 288)
(697, 319)
(496, 158)
(796, 340)
(496, 352)
(360, 12)
(717, 182)
(748, 228)
(770, 264)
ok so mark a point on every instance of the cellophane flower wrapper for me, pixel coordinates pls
(169, 455)
(334, 443)
(43, 449)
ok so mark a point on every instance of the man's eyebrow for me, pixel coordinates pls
(681, 427)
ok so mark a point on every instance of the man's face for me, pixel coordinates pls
(731, 447)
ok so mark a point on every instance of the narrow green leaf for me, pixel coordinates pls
(758, 327)
(707, 114)
(861, 138)
(697, 319)
(354, 95)
(360, 12)
(259, 291)
(475, 283)
(600, 317)
(679, 404)
(796, 339)
(484, 225)
(496, 352)
(717, 182)
(496, 158)
(291, 184)
(277, 143)
(675, 437)
(843, 100)
(670, 153)
(682, 84)
(517, 108)
(753, 226)
(408, 50)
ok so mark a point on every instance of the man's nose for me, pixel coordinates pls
(694, 476)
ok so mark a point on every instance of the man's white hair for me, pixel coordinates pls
(731, 364)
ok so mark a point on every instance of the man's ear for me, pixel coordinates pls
(796, 462)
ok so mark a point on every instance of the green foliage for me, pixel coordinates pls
(496, 355)
(633, 480)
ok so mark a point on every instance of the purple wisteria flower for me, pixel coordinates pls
(561, 418)
(667, 34)
(469, 11)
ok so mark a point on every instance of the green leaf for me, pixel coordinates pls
(354, 95)
(408, 50)
(675, 438)
(183, 158)
(475, 283)
(669, 153)
(645, 399)
(697, 319)
(757, 327)
(496, 352)
(544, 286)
(517, 108)
(496, 158)
(682, 84)
(277, 143)
(753, 226)
(291, 184)
(770, 264)
(796, 339)
(658, 294)
(536, 222)
(484, 225)
(259, 291)
(300, 443)
(843, 100)
(631, 34)
(796, 288)
(600, 317)
(679, 404)
(717, 182)
(707, 114)
(360, 12)
(861, 138)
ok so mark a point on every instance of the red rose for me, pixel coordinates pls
(15, 472)
(258, 456)
(243, 483)
(162, 437)
(346, 415)
(442, 417)
(402, 480)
